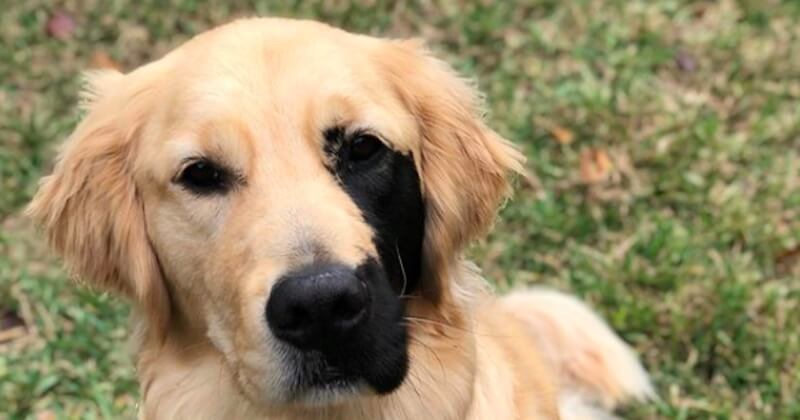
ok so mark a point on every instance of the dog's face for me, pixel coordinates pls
(284, 189)
(284, 204)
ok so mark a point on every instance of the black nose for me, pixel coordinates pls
(317, 307)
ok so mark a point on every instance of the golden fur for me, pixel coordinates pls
(256, 94)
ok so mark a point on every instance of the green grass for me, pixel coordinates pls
(687, 245)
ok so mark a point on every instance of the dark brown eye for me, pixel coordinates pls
(204, 177)
(364, 146)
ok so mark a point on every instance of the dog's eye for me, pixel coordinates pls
(364, 146)
(204, 177)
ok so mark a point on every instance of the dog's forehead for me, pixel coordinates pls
(267, 68)
(287, 76)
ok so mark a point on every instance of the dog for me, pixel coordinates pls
(287, 206)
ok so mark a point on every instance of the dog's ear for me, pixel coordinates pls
(464, 166)
(89, 207)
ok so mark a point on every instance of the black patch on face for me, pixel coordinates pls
(386, 188)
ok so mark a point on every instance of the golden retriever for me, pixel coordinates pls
(287, 205)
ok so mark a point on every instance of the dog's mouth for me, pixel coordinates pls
(317, 380)
(340, 331)
(320, 380)
(360, 367)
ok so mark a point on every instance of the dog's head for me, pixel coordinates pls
(285, 189)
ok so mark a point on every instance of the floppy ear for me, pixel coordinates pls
(464, 165)
(89, 207)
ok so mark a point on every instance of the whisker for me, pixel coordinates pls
(427, 347)
(413, 382)
(434, 322)
(402, 269)
(427, 321)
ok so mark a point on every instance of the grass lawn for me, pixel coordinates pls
(664, 137)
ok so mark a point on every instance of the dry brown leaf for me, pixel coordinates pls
(596, 166)
(562, 135)
(787, 261)
(101, 60)
(46, 415)
(12, 334)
